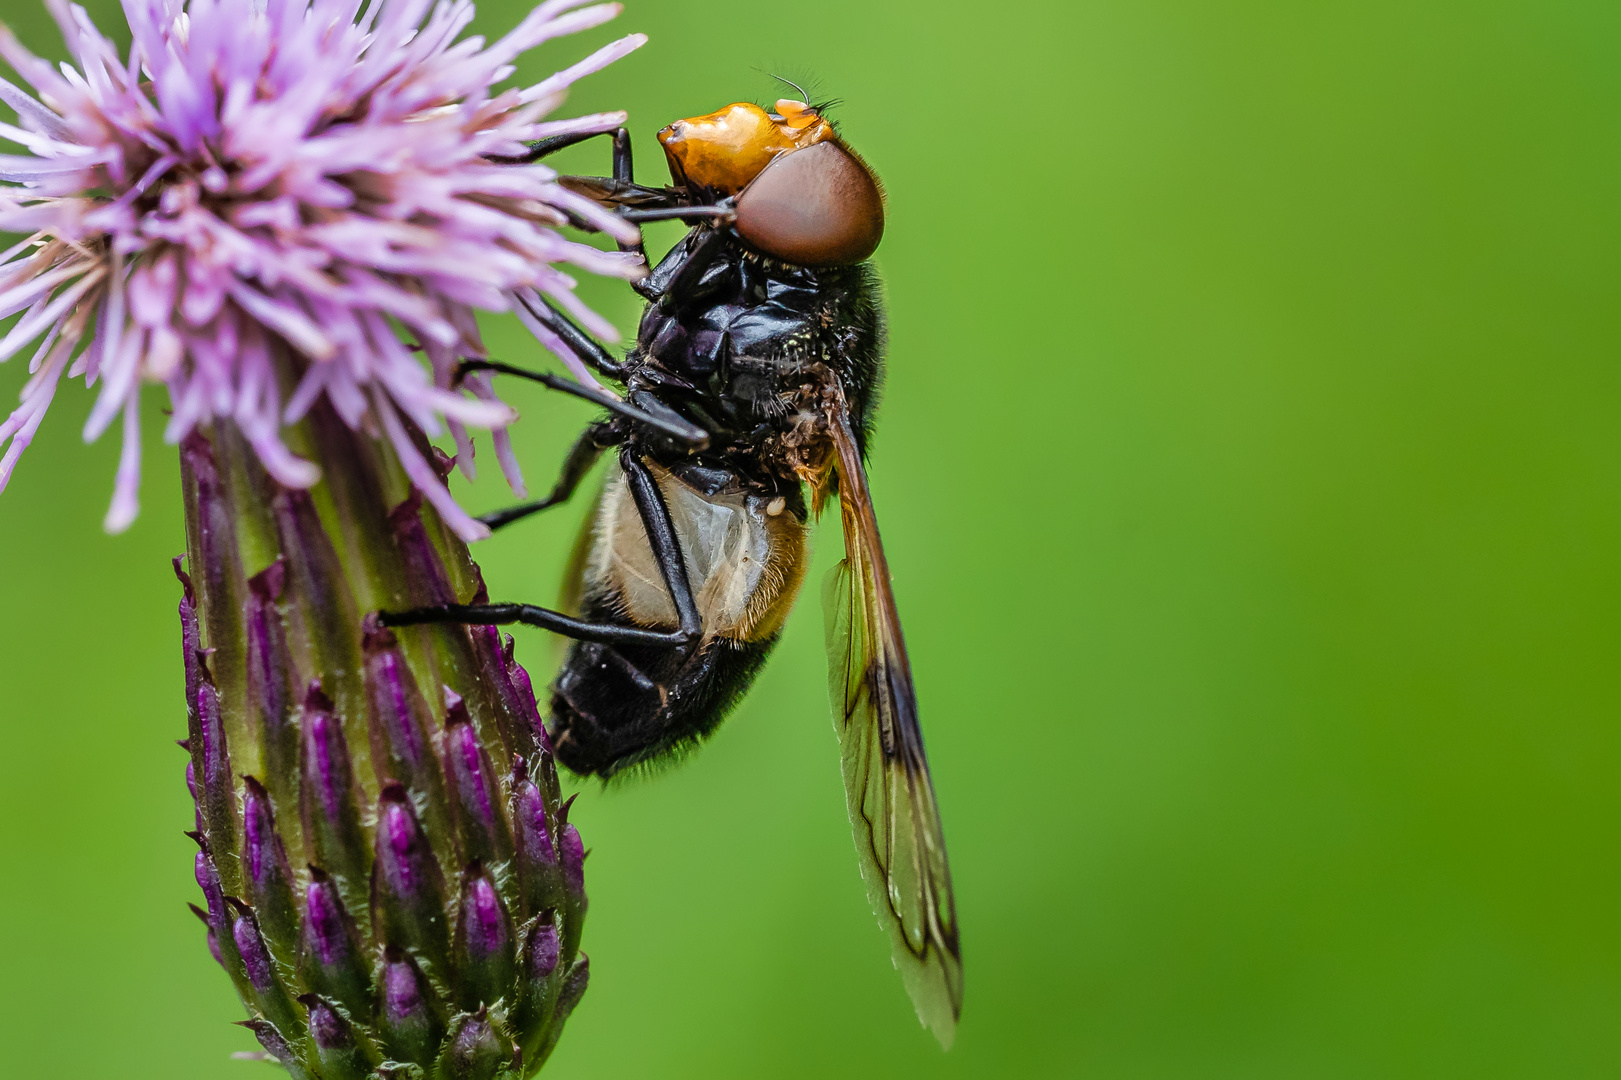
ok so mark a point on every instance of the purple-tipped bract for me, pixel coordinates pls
(383, 896)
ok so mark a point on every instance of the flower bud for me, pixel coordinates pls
(342, 1051)
(435, 922)
(477, 1049)
(410, 1022)
(485, 945)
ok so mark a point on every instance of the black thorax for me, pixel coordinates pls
(743, 352)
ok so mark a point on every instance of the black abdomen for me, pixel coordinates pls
(744, 557)
(615, 706)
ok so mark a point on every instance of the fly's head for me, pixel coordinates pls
(801, 195)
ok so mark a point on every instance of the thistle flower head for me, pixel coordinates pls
(268, 203)
(389, 875)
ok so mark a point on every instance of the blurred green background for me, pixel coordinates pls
(1251, 472)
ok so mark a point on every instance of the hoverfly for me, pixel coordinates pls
(754, 377)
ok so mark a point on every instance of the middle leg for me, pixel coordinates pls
(584, 454)
(666, 548)
(666, 421)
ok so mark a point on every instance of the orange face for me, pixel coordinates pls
(726, 150)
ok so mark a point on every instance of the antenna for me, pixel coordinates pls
(802, 95)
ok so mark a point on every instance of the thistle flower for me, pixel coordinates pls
(271, 206)
(252, 203)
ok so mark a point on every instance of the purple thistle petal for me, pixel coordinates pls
(126, 502)
(590, 65)
(32, 113)
(242, 202)
(422, 476)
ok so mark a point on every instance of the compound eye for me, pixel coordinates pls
(813, 207)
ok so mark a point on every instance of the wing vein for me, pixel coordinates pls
(886, 774)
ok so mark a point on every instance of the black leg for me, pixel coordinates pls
(530, 615)
(620, 193)
(587, 449)
(624, 168)
(717, 215)
(584, 345)
(666, 549)
(546, 147)
(636, 204)
(624, 164)
(625, 173)
(661, 537)
(667, 422)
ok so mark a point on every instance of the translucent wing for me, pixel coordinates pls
(886, 777)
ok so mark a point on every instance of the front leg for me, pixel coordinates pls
(636, 203)
(624, 168)
(666, 547)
